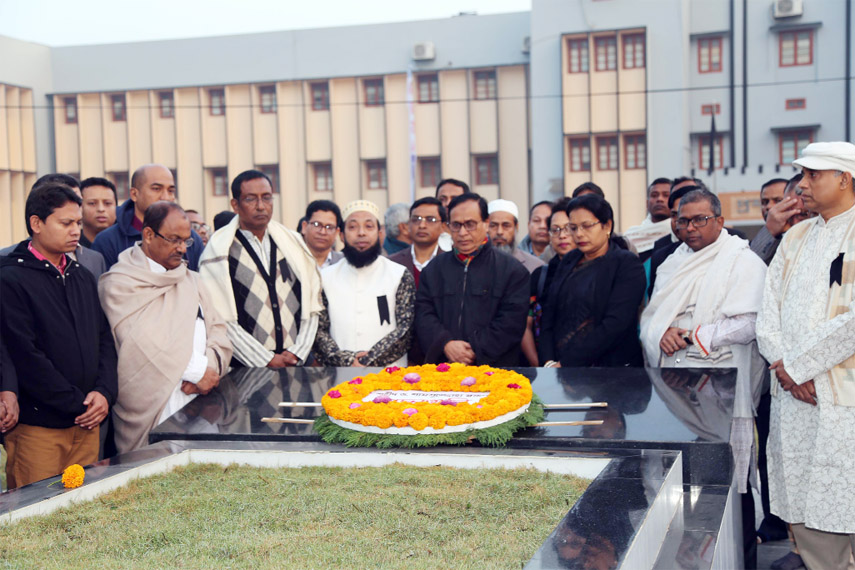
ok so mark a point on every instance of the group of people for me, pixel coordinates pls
(132, 311)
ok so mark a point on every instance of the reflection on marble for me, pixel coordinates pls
(683, 409)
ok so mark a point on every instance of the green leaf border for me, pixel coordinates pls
(495, 436)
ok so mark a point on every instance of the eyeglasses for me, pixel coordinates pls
(319, 226)
(697, 221)
(557, 231)
(572, 228)
(175, 242)
(197, 226)
(251, 199)
(427, 219)
(470, 226)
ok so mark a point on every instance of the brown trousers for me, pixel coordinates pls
(822, 550)
(35, 453)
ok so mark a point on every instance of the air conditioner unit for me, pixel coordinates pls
(526, 45)
(788, 8)
(424, 51)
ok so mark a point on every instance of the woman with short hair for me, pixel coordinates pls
(591, 312)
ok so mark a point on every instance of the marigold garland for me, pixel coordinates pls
(508, 391)
(73, 476)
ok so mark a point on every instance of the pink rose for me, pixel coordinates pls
(468, 381)
(412, 378)
(391, 369)
(382, 400)
(334, 394)
(411, 411)
(444, 367)
(356, 381)
(490, 373)
(354, 405)
(514, 386)
(448, 403)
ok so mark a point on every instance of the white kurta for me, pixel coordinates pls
(354, 303)
(811, 450)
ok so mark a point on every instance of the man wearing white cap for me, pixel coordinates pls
(369, 299)
(806, 329)
(263, 280)
(502, 229)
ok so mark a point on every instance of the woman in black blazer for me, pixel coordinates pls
(591, 315)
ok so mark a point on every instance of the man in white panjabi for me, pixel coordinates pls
(806, 329)
(369, 299)
(702, 315)
(171, 341)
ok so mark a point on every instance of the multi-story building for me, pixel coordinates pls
(524, 106)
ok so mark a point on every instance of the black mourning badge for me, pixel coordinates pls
(383, 309)
(835, 274)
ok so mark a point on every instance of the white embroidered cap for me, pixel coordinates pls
(828, 156)
(503, 206)
(360, 206)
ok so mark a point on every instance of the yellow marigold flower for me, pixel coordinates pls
(73, 476)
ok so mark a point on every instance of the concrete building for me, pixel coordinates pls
(524, 106)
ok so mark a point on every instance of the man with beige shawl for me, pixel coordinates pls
(172, 343)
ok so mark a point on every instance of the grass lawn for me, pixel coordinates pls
(209, 516)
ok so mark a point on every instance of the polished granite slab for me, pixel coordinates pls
(682, 409)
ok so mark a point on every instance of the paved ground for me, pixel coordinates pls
(771, 551)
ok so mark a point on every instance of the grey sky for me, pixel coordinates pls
(80, 22)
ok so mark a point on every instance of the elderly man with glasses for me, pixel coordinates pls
(263, 279)
(162, 365)
(702, 314)
(472, 302)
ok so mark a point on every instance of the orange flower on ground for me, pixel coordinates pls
(73, 476)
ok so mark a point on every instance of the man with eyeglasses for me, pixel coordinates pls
(472, 302)
(263, 280)
(427, 221)
(502, 229)
(702, 315)
(149, 184)
(320, 228)
(163, 365)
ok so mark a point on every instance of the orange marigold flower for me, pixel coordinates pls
(73, 476)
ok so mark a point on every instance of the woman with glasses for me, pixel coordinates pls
(557, 224)
(590, 316)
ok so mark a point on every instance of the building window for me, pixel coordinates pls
(607, 153)
(633, 51)
(428, 172)
(709, 55)
(70, 105)
(605, 50)
(485, 85)
(428, 88)
(795, 104)
(376, 171)
(117, 103)
(374, 95)
(320, 96)
(220, 182)
(577, 55)
(323, 176)
(635, 151)
(791, 144)
(123, 187)
(486, 170)
(580, 155)
(267, 95)
(795, 48)
(272, 172)
(704, 151)
(708, 109)
(167, 105)
(218, 102)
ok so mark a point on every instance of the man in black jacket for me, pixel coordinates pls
(58, 340)
(472, 302)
